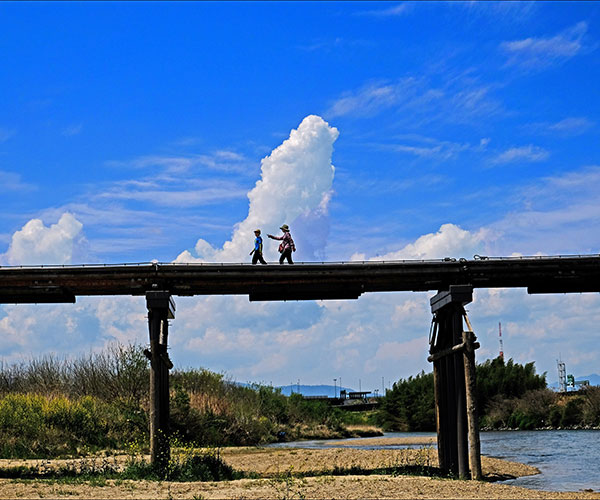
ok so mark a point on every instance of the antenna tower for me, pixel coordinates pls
(562, 376)
(500, 337)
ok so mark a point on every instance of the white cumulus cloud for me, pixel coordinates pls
(449, 241)
(37, 244)
(294, 189)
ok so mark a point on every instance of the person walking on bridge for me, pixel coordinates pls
(287, 244)
(257, 253)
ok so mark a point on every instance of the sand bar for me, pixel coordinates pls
(273, 465)
(388, 441)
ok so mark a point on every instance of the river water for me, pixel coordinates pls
(568, 460)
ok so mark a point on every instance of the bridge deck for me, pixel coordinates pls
(303, 281)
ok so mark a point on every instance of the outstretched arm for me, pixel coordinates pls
(274, 237)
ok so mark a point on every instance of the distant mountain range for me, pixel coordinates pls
(305, 390)
(594, 379)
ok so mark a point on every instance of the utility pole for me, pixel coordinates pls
(334, 388)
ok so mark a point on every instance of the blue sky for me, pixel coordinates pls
(138, 131)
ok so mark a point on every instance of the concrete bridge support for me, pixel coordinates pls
(161, 308)
(452, 354)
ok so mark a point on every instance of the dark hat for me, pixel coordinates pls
(257, 231)
(285, 227)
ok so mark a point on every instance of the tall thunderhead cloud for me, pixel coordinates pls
(294, 189)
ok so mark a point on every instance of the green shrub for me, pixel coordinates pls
(409, 405)
(591, 406)
(571, 413)
(32, 425)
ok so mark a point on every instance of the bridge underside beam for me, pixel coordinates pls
(279, 293)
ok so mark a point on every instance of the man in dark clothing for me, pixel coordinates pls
(257, 253)
(287, 244)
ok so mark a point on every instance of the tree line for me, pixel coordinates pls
(509, 395)
(57, 407)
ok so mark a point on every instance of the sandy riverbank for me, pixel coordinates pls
(274, 465)
(324, 487)
(389, 441)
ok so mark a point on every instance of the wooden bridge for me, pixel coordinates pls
(451, 344)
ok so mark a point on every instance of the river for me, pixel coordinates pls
(568, 460)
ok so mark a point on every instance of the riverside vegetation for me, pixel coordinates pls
(51, 407)
(509, 396)
(75, 409)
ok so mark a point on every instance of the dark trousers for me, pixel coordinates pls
(287, 254)
(256, 257)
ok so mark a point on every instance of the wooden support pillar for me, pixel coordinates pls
(449, 379)
(470, 386)
(459, 391)
(161, 308)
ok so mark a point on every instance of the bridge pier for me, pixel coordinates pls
(453, 357)
(161, 308)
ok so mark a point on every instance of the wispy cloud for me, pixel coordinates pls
(187, 141)
(575, 125)
(564, 205)
(72, 130)
(337, 43)
(120, 228)
(6, 134)
(538, 53)
(220, 160)
(528, 153)
(579, 184)
(9, 181)
(393, 11)
(373, 98)
(429, 147)
(570, 126)
(219, 192)
(512, 12)
(457, 99)
(156, 200)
